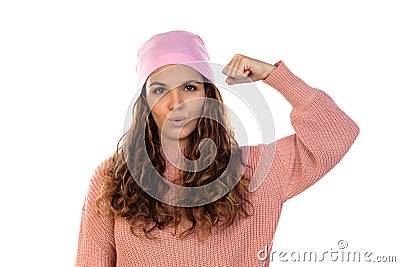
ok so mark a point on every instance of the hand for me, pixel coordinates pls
(242, 69)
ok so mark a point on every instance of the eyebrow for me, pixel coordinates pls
(163, 84)
(157, 83)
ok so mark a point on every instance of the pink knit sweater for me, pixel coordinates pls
(324, 133)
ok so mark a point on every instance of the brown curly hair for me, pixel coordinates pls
(123, 197)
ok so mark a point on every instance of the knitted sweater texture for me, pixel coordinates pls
(323, 134)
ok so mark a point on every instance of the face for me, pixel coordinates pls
(175, 95)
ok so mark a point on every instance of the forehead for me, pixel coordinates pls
(173, 75)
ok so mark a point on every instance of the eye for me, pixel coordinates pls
(190, 88)
(159, 90)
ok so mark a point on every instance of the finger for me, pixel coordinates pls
(233, 69)
(228, 68)
(236, 67)
(242, 68)
(229, 80)
(225, 70)
(233, 81)
(235, 73)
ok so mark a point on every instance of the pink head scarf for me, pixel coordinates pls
(174, 47)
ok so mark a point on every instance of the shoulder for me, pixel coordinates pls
(98, 178)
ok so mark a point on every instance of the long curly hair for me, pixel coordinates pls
(123, 197)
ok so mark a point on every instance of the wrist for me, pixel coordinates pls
(294, 89)
(268, 70)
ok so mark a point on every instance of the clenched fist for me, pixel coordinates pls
(242, 69)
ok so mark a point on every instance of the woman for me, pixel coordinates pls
(149, 206)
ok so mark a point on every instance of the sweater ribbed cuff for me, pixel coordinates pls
(294, 89)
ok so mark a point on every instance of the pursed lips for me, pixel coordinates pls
(177, 120)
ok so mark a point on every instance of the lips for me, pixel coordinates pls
(177, 121)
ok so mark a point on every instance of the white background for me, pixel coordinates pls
(67, 76)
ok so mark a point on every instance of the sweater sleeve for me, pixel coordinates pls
(96, 246)
(323, 133)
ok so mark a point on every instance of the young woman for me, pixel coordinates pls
(149, 206)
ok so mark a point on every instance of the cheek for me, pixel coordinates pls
(152, 105)
(197, 106)
(158, 116)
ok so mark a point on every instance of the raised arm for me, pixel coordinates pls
(323, 132)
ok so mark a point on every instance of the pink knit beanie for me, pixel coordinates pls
(174, 47)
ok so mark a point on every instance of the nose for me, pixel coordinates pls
(174, 100)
